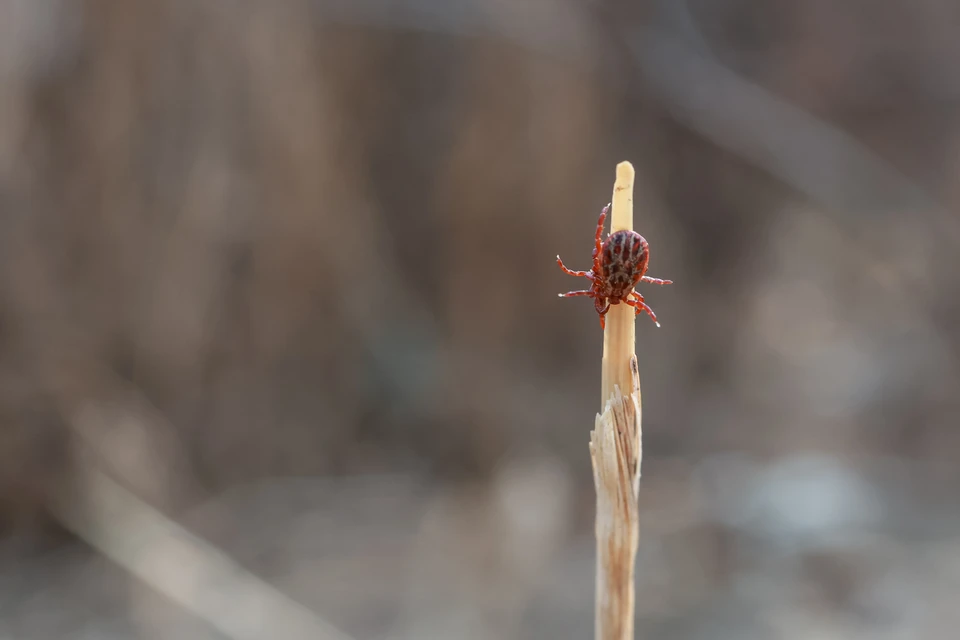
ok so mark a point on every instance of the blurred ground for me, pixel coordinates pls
(285, 273)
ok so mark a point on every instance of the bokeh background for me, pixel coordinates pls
(281, 354)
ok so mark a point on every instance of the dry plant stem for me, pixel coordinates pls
(615, 451)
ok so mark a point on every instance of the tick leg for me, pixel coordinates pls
(597, 240)
(656, 280)
(571, 294)
(640, 305)
(602, 306)
(585, 274)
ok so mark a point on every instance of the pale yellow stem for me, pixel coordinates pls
(616, 451)
(619, 337)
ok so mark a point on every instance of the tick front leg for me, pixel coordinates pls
(598, 242)
(572, 294)
(640, 305)
(585, 274)
(656, 280)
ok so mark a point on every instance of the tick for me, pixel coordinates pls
(619, 264)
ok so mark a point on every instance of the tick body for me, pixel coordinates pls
(619, 264)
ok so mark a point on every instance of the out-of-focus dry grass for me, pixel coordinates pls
(234, 278)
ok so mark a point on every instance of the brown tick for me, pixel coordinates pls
(619, 263)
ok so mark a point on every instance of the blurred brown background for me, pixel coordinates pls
(278, 282)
